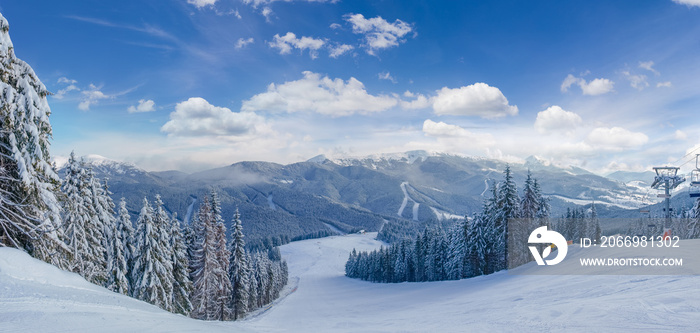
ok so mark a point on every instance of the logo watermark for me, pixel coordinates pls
(543, 236)
(602, 247)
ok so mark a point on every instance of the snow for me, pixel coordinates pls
(37, 297)
(405, 198)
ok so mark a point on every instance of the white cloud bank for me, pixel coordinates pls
(196, 117)
(478, 99)
(616, 138)
(201, 3)
(314, 93)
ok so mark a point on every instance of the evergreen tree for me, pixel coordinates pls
(83, 231)
(152, 269)
(224, 295)
(117, 266)
(125, 230)
(239, 270)
(30, 214)
(694, 227)
(163, 229)
(182, 286)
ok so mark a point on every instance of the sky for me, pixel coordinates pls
(194, 84)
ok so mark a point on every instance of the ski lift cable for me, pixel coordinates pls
(686, 155)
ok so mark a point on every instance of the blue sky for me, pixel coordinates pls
(193, 84)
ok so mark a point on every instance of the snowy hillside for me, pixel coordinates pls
(36, 297)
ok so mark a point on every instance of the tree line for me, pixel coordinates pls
(476, 246)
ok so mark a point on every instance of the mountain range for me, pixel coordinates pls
(349, 194)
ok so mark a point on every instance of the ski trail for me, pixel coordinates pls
(270, 203)
(188, 215)
(405, 198)
(486, 187)
(415, 210)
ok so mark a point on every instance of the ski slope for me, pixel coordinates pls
(35, 297)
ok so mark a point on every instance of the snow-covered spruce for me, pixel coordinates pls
(29, 210)
(84, 229)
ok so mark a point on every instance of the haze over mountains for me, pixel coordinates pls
(348, 194)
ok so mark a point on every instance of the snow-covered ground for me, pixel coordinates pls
(38, 297)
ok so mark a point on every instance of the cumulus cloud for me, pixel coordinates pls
(340, 49)
(333, 97)
(92, 97)
(144, 106)
(689, 3)
(616, 138)
(202, 3)
(478, 99)
(666, 84)
(556, 119)
(595, 87)
(196, 117)
(241, 43)
(378, 33)
(286, 43)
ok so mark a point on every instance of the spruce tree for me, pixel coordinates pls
(126, 233)
(239, 269)
(182, 286)
(84, 233)
(224, 294)
(30, 214)
(204, 266)
(151, 273)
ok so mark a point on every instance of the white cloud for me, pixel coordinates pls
(286, 43)
(144, 106)
(478, 99)
(335, 26)
(680, 135)
(556, 119)
(688, 3)
(201, 3)
(62, 92)
(196, 117)
(455, 138)
(666, 84)
(638, 82)
(386, 76)
(241, 43)
(66, 80)
(256, 3)
(419, 101)
(91, 97)
(267, 12)
(596, 87)
(333, 97)
(338, 50)
(378, 33)
(648, 65)
(616, 138)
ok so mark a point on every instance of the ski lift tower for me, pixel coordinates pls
(667, 178)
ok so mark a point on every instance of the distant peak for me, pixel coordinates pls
(318, 159)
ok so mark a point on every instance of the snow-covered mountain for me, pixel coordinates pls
(364, 192)
(37, 297)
